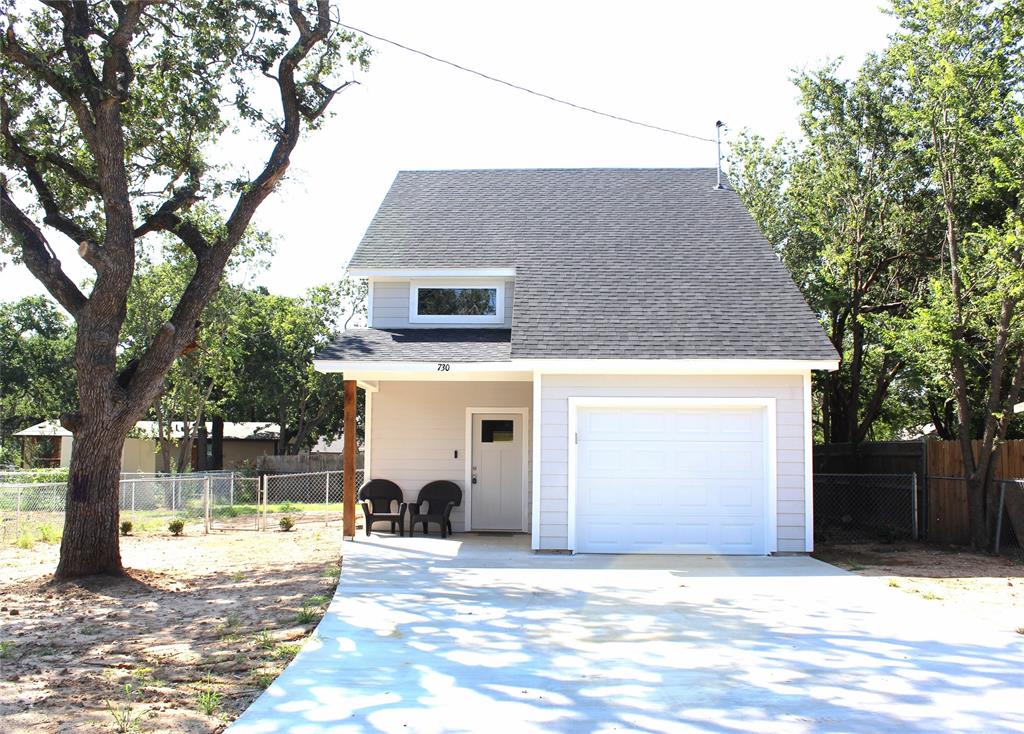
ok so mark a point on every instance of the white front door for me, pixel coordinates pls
(664, 480)
(497, 472)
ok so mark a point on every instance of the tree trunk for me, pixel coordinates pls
(90, 544)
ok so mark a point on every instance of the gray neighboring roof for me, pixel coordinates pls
(610, 263)
(420, 345)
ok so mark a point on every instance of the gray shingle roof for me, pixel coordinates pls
(420, 345)
(610, 263)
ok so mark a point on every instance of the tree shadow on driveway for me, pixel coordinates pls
(457, 640)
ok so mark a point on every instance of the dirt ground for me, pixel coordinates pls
(200, 627)
(987, 588)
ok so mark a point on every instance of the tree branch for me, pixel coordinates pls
(166, 219)
(16, 52)
(37, 255)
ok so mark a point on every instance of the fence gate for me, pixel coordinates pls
(234, 503)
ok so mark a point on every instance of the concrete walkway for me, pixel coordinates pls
(478, 634)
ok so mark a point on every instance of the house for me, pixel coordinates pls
(611, 360)
(48, 444)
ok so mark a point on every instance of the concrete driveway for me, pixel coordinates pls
(478, 634)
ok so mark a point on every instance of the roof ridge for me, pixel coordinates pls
(617, 169)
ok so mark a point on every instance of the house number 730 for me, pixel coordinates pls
(443, 367)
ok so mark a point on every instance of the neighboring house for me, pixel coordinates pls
(49, 444)
(611, 360)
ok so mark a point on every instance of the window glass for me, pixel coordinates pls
(457, 301)
(493, 431)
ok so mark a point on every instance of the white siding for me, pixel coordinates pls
(416, 428)
(554, 432)
(391, 307)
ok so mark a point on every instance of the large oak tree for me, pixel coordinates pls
(109, 118)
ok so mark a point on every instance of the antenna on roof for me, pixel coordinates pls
(719, 126)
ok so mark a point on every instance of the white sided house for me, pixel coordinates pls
(611, 360)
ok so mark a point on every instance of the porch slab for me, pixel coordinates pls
(477, 633)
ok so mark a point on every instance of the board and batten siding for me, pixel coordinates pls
(554, 437)
(416, 428)
(391, 307)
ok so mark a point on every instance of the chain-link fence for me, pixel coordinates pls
(34, 511)
(307, 497)
(865, 507)
(1010, 520)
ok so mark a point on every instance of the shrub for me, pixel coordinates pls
(177, 527)
(49, 534)
(126, 527)
(286, 524)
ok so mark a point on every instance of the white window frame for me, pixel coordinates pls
(498, 317)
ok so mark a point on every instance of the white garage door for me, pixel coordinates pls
(663, 480)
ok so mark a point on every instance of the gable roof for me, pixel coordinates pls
(610, 263)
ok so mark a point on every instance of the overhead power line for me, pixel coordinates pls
(521, 88)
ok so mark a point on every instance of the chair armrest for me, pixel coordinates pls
(448, 509)
(414, 506)
(367, 507)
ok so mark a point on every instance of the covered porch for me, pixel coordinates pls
(466, 417)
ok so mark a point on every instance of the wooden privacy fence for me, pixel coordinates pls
(948, 520)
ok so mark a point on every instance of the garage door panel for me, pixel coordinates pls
(671, 481)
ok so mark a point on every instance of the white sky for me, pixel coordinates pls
(680, 64)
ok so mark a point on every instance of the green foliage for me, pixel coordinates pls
(308, 613)
(287, 651)
(126, 527)
(126, 718)
(265, 641)
(37, 381)
(208, 698)
(286, 524)
(177, 527)
(49, 534)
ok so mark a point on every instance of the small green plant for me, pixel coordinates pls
(263, 678)
(287, 651)
(25, 542)
(126, 527)
(894, 583)
(287, 507)
(931, 596)
(286, 524)
(49, 534)
(177, 527)
(6, 649)
(126, 719)
(237, 576)
(332, 572)
(229, 629)
(265, 641)
(308, 613)
(208, 698)
(318, 599)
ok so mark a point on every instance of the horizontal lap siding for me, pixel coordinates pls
(417, 427)
(554, 432)
(391, 306)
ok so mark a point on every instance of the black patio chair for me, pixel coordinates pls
(378, 498)
(440, 498)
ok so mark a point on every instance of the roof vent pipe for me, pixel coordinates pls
(719, 126)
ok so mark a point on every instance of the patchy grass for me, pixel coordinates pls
(989, 588)
(200, 626)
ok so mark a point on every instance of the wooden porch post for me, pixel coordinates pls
(349, 466)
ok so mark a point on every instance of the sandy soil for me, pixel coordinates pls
(987, 588)
(184, 644)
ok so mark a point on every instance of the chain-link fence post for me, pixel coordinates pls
(231, 490)
(913, 495)
(206, 504)
(17, 514)
(262, 499)
(327, 498)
